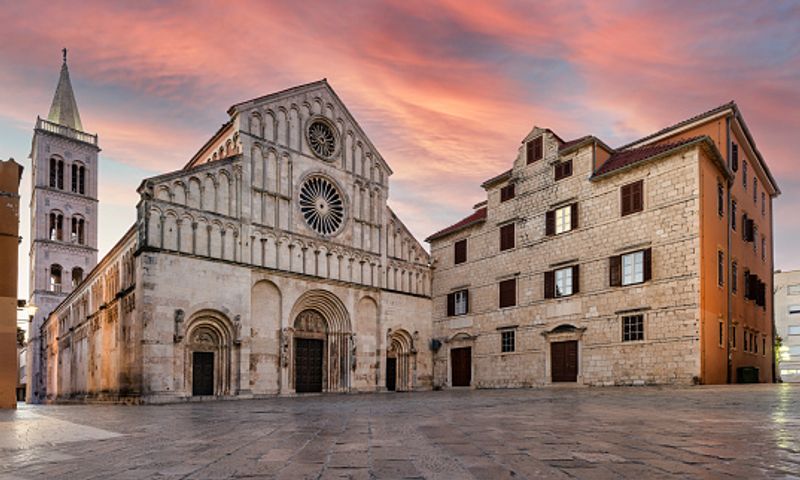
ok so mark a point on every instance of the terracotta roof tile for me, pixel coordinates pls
(477, 216)
(624, 158)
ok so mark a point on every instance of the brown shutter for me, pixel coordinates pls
(573, 215)
(750, 230)
(568, 170)
(529, 152)
(538, 152)
(507, 237)
(576, 279)
(460, 252)
(451, 304)
(735, 157)
(550, 223)
(637, 200)
(508, 293)
(648, 264)
(625, 200)
(615, 271)
(466, 301)
(550, 284)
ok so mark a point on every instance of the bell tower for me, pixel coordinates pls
(63, 215)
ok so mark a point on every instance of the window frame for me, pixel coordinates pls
(461, 299)
(734, 279)
(562, 170)
(505, 237)
(638, 254)
(513, 283)
(629, 194)
(534, 149)
(565, 223)
(508, 340)
(733, 215)
(457, 257)
(507, 192)
(633, 328)
(720, 200)
(563, 271)
(720, 268)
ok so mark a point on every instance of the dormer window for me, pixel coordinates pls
(535, 149)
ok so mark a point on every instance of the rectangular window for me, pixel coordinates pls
(563, 282)
(733, 215)
(734, 274)
(508, 293)
(720, 200)
(507, 193)
(507, 237)
(744, 174)
(632, 197)
(744, 340)
(763, 248)
(763, 345)
(458, 303)
(755, 190)
(720, 268)
(563, 219)
(632, 328)
(794, 329)
(75, 178)
(535, 149)
(754, 238)
(507, 341)
(763, 204)
(460, 251)
(735, 157)
(733, 337)
(755, 343)
(633, 268)
(721, 334)
(563, 170)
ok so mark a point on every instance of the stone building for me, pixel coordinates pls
(10, 176)
(647, 263)
(63, 247)
(787, 323)
(270, 264)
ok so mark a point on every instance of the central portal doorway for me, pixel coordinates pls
(308, 365)
(391, 374)
(202, 373)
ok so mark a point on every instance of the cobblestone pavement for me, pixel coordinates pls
(643, 433)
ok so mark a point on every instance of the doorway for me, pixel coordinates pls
(391, 374)
(202, 373)
(564, 361)
(461, 365)
(308, 365)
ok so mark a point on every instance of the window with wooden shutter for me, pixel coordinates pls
(632, 197)
(733, 215)
(508, 293)
(550, 284)
(748, 284)
(720, 199)
(720, 268)
(550, 223)
(563, 219)
(507, 193)
(564, 282)
(735, 157)
(576, 279)
(648, 264)
(534, 149)
(734, 277)
(750, 231)
(563, 169)
(574, 216)
(461, 302)
(460, 251)
(507, 237)
(744, 174)
(615, 271)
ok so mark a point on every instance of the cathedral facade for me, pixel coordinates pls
(270, 264)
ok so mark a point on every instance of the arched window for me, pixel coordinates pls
(78, 231)
(56, 226)
(55, 278)
(77, 276)
(57, 173)
(78, 178)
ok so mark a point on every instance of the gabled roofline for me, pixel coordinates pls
(752, 142)
(238, 107)
(497, 179)
(680, 126)
(217, 135)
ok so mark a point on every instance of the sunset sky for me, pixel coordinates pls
(446, 90)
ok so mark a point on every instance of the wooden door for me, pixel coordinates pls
(391, 374)
(307, 365)
(461, 364)
(564, 361)
(202, 373)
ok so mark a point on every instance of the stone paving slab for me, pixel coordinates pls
(748, 431)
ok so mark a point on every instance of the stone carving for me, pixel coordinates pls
(237, 330)
(179, 314)
(414, 341)
(204, 337)
(285, 339)
(310, 321)
(353, 351)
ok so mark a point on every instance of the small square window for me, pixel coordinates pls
(507, 341)
(632, 328)
(633, 268)
(563, 170)
(564, 282)
(507, 193)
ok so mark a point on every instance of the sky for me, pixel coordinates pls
(445, 89)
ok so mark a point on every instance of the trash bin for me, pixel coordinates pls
(747, 375)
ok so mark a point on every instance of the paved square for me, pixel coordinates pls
(647, 432)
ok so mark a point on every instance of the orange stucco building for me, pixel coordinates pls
(10, 175)
(736, 241)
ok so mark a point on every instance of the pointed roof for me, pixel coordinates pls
(64, 110)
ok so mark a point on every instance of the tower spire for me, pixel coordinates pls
(64, 109)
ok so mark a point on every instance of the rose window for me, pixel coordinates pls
(322, 205)
(322, 139)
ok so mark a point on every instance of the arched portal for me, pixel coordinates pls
(401, 361)
(323, 346)
(208, 354)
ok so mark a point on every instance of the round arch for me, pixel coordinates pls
(208, 347)
(401, 360)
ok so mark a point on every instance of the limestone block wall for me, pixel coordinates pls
(668, 225)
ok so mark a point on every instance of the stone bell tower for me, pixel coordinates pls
(63, 215)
